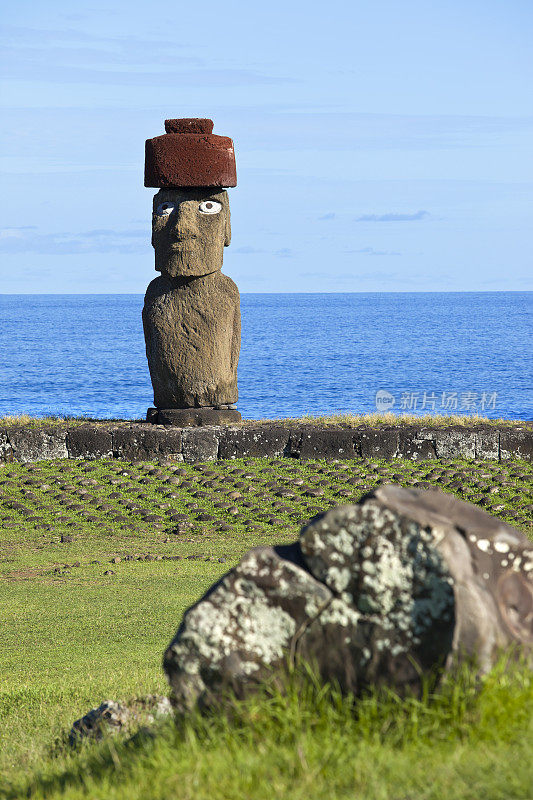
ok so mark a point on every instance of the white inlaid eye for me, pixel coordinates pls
(209, 207)
(164, 209)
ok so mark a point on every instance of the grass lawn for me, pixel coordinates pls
(98, 561)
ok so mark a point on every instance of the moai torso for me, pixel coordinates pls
(192, 329)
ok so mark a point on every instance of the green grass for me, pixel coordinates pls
(465, 741)
(73, 636)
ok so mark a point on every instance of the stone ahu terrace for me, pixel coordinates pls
(344, 437)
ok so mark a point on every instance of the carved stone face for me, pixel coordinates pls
(190, 228)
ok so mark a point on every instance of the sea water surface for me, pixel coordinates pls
(301, 354)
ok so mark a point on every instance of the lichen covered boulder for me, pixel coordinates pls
(491, 565)
(392, 584)
(244, 626)
(382, 591)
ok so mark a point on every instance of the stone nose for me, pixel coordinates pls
(184, 220)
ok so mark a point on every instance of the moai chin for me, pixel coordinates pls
(191, 314)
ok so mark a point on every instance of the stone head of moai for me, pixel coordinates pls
(191, 215)
(190, 228)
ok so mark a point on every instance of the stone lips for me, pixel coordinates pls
(189, 155)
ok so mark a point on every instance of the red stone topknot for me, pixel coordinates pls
(189, 155)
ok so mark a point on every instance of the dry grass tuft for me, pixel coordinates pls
(346, 419)
(389, 418)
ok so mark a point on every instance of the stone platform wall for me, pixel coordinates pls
(142, 441)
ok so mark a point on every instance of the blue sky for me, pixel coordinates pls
(381, 146)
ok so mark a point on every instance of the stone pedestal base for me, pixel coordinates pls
(192, 417)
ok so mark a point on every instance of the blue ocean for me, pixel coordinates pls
(301, 354)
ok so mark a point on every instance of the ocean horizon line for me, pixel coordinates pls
(390, 292)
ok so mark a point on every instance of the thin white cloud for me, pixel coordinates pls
(246, 250)
(27, 240)
(393, 217)
(71, 56)
(284, 252)
(369, 251)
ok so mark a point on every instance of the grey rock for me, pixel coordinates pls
(253, 442)
(138, 441)
(6, 451)
(33, 444)
(243, 627)
(327, 442)
(487, 443)
(490, 562)
(90, 441)
(417, 444)
(516, 443)
(111, 717)
(200, 444)
(382, 591)
(141, 441)
(382, 442)
(455, 443)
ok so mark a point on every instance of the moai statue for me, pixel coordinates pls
(191, 314)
